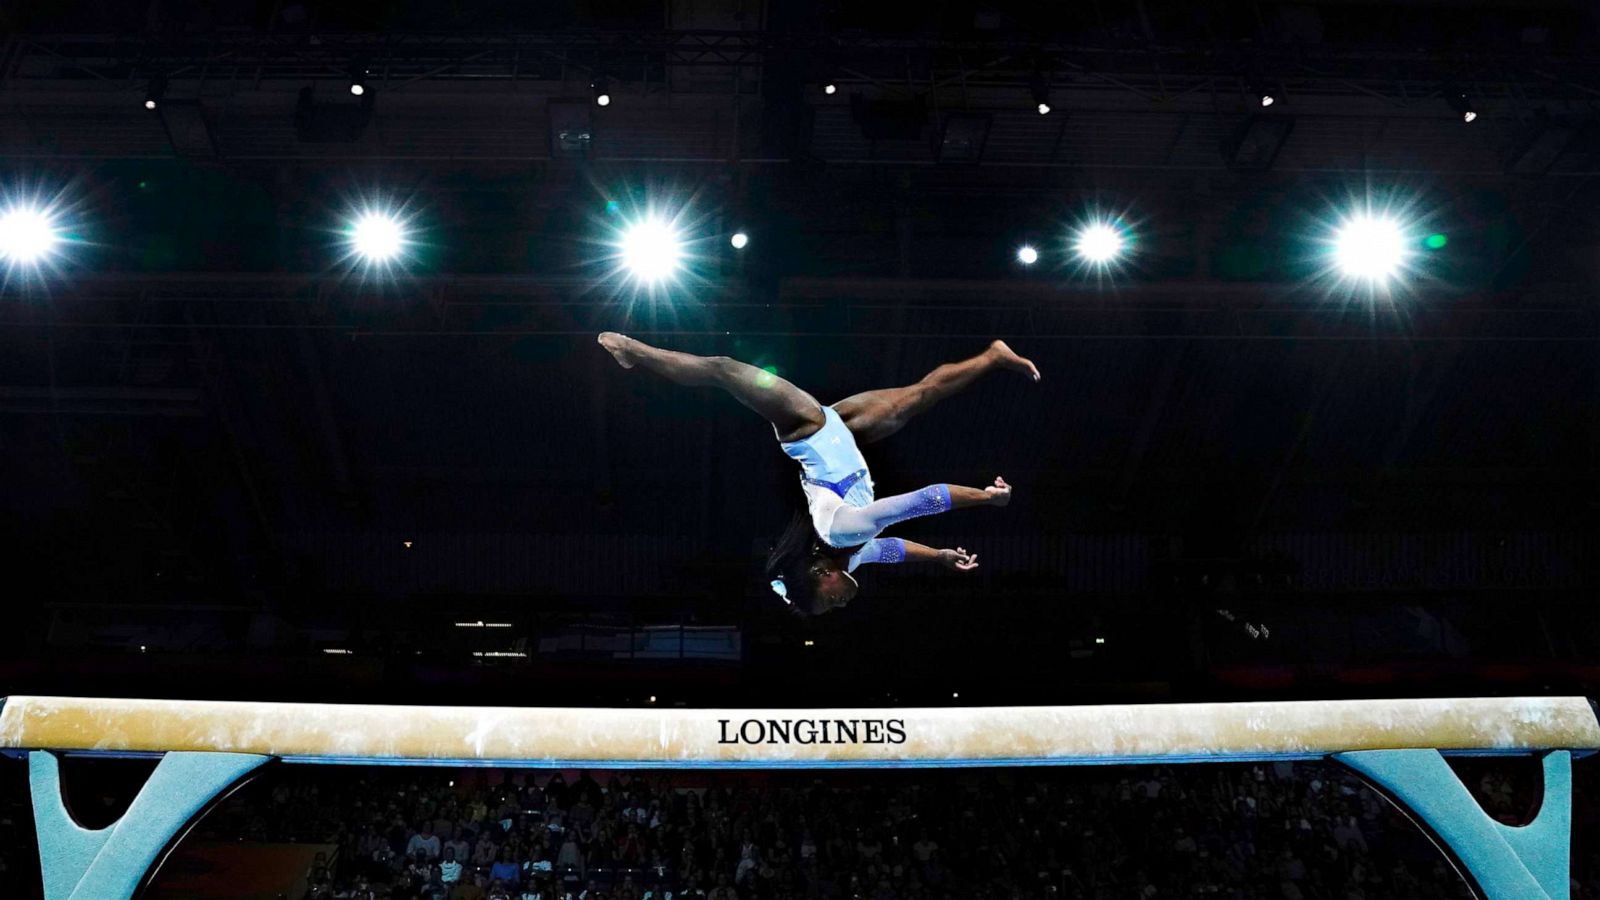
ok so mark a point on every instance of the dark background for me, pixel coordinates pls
(216, 434)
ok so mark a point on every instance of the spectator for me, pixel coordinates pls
(459, 844)
(473, 888)
(450, 869)
(505, 871)
(723, 890)
(424, 842)
(570, 858)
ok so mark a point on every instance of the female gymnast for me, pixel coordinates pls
(810, 566)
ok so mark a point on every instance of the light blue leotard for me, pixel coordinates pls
(839, 494)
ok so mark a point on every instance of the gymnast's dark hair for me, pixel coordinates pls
(790, 561)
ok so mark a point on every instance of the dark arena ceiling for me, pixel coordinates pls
(235, 463)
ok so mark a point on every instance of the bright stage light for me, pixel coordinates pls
(602, 100)
(1044, 109)
(740, 240)
(651, 250)
(27, 235)
(377, 237)
(1027, 255)
(1268, 100)
(1371, 248)
(830, 89)
(1099, 243)
(154, 91)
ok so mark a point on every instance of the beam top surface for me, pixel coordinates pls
(757, 738)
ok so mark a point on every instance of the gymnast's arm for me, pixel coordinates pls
(857, 525)
(890, 551)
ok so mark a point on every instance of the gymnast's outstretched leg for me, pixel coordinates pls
(795, 414)
(874, 415)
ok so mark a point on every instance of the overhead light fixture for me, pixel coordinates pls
(358, 78)
(830, 89)
(377, 238)
(1027, 255)
(1370, 248)
(154, 91)
(602, 91)
(1099, 243)
(1461, 103)
(571, 128)
(1263, 92)
(964, 137)
(316, 122)
(28, 235)
(652, 250)
(1040, 89)
(740, 240)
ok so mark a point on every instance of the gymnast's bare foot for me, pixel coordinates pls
(1009, 358)
(619, 346)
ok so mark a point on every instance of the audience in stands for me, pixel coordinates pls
(1284, 832)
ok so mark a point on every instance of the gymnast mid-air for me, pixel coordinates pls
(838, 530)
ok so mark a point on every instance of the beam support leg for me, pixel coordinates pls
(111, 863)
(1531, 862)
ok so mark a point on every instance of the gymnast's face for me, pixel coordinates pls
(835, 586)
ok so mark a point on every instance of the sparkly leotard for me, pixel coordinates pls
(839, 494)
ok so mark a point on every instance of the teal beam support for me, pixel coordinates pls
(1530, 862)
(111, 863)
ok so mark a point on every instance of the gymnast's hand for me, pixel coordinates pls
(999, 492)
(958, 559)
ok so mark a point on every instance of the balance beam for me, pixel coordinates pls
(683, 738)
(207, 748)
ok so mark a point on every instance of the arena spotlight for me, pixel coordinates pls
(154, 91)
(1461, 103)
(1370, 248)
(376, 237)
(1098, 243)
(740, 240)
(1041, 93)
(358, 78)
(27, 235)
(602, 92)
(1264, 94)
(1027, 255)
(830, 88)
(651, 250)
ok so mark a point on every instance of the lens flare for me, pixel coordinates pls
(377, 237)
(1099, 243)
(1371, 248)
(652, 250)
(27, 235)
